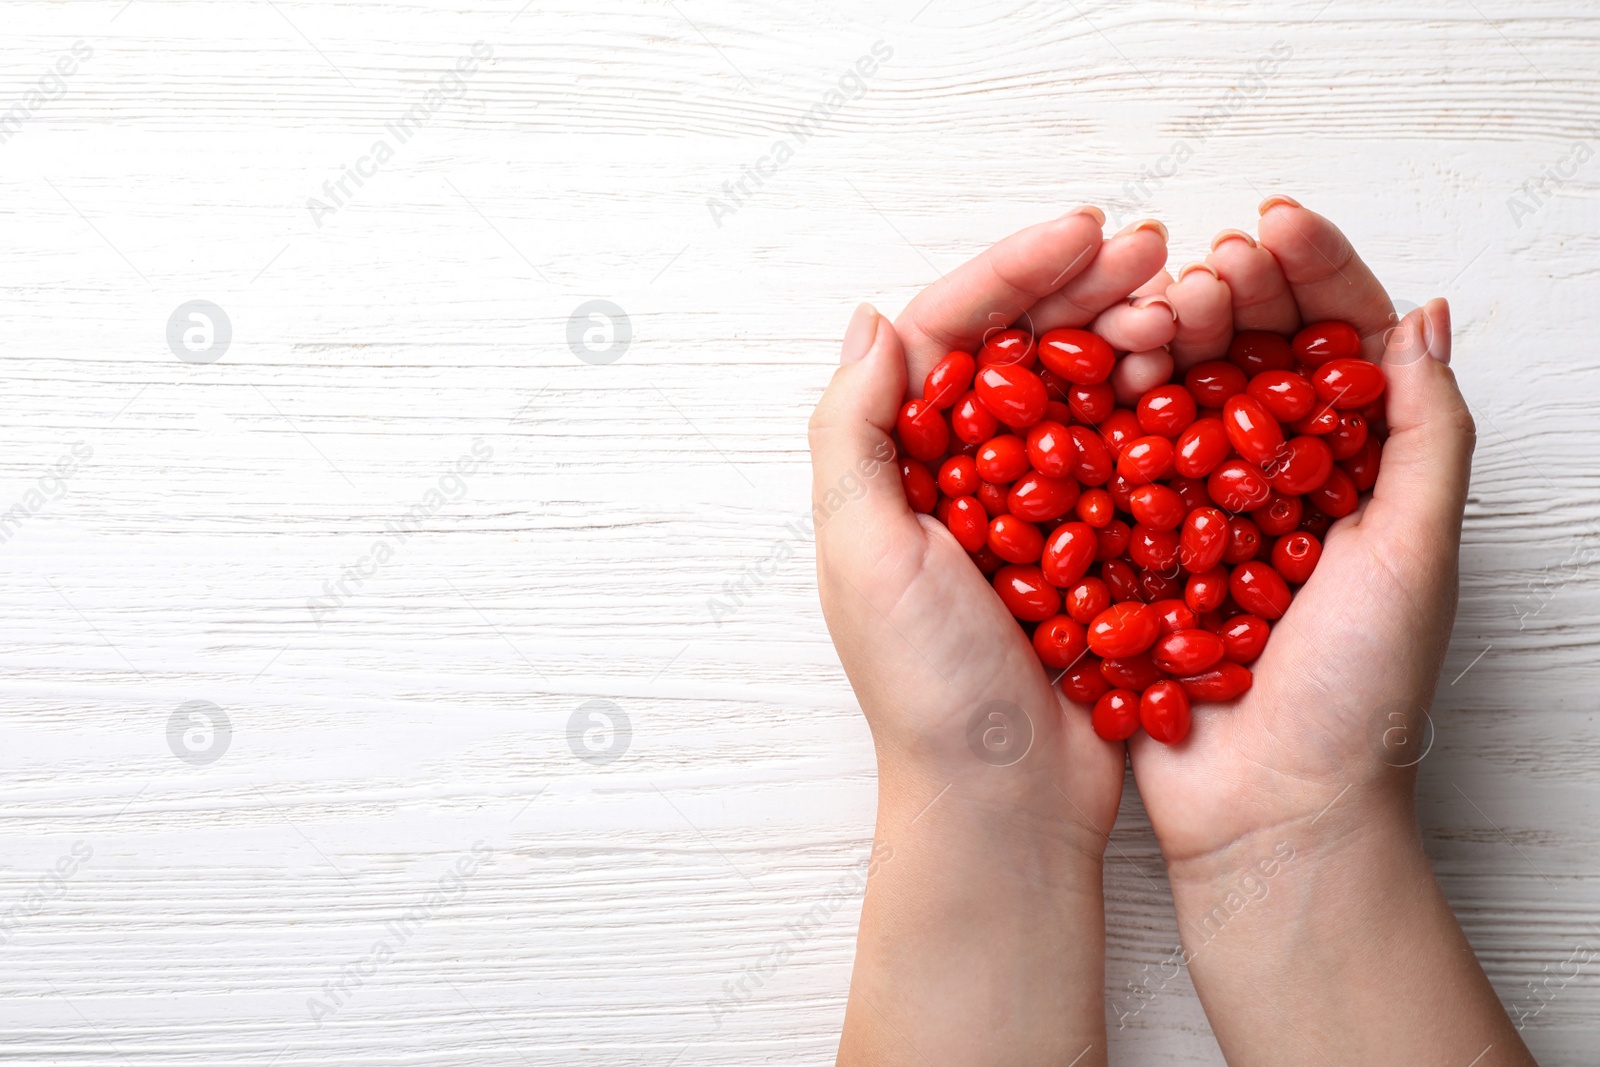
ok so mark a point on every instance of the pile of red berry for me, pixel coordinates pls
(1229, 478)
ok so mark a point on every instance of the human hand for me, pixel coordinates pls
(995, 796)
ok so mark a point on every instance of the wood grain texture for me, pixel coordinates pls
(373, 749)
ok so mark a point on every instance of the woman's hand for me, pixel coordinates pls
(1310, 918)
(982, 938)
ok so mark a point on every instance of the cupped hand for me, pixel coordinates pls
(950, 685)
(1335, 720)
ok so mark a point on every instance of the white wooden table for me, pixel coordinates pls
(414, 843)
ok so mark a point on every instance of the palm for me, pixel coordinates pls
(1332, 706)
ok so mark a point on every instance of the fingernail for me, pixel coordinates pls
(1277, 200)
(1436, 329)
(1087, 209)
(1229, 235)
(859, 335)
(1152, 225)
(1188, 267)
(1142, 302)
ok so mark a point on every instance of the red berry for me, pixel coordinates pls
(1211, 384)
(1091, 403)
(949, 378)
(922, 430)
(1025, 593)
(1363, 466)
(1012, 393)
(1077, 355)
(1278, 515)
(1243, 638)
(1200, 448)
(1007, 348)
(1174, 615)
(958, 476)
(922, 492)
(1113, 538)
(1083, 681)
(1087, 598)
(1156, 506)
(1059, 642)
(1244, 541)
(1002, 459)
(1015, 540)
(1322, 420)
(1286, 395)
(968, 523)
(1094, 507)
(1153, 549)
(1051, 449)
(970, 421)
(1130, 672)
(1335, 497)
(994, 498)
(1094, 464)
(1252, 431)
(1166, 410)
(1192, 491)
(1039, 499)
(1187, 651)
(1322, 341)
(1119, 429)
(1295, 556)
(1349, 437)
(1238, 486)
(1206, 590)
(1348, 383)
(1124, 630)
(1254, 351)
(1223, 682)
(1067, 553)
(1301, 465)
(1259, 589)
(1116, 714)
(1145, 459)
(1203, 540)
(1164, 712)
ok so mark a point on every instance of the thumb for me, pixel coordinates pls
(856, 495)
(1427, 461)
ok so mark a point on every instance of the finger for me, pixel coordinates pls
(990, 292)
(1126, 261)
(1261, 297)
(1138, 372)
(1204, 306)
(856, 497)
(1421, 490)
(1137, 323)
(1327, 278)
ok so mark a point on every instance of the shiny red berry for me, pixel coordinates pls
(1174, 615)
(970, 421)
(949, 378)
(1002, 459)
(1124, 630)
(1349, 437)
(1060, 642)
(1302, 464)
(1322, 341)
(993, 496)
(1348, 383)
(1068, 552)
(1130, 672)
(1212, 383)
(1335, 497)
(1223, 682)
(1094, 507)
(1187, 651)
(1166, 410)
(1015, 540)
(922, 430)
(1206, 590)
(1254, 351)
(1051, 449)
(958, 476)
(1039, 499)
(1200, 448)
(1243, 638)
(1113, 538)
(1025, 593)
(1164, 712)
(1238, 486)
(1156, 506)
(968, 523)
(1145, 459)
(1259, 589)
(1244, 541)
(1116, 714)
(1077, 355)
(1094, 465)
(922, 492)
(1295, 556)
(1091, 403)
(1286, 395)
(1012, 393)
(1278, 515)
(1203, 539)
(1007, 348)
(1086, 598)
(1251, 429)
